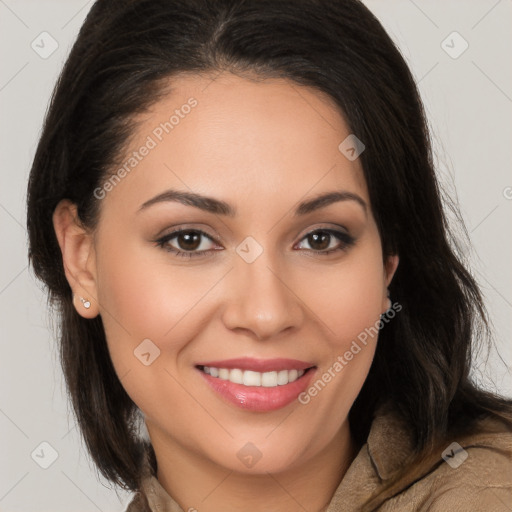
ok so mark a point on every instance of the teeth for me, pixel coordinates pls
(223, 374)
(269, 379)
(250, 378)
(282, 377)
(236, 376)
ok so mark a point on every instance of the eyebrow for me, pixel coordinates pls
(219, 207)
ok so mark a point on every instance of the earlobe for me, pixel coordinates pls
(77, 249)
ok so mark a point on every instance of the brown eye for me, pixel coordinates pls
(321, 241)
(186, 242)
(189, 240)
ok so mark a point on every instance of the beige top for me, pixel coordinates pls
(477, 478)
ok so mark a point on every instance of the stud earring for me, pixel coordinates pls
(86, 303)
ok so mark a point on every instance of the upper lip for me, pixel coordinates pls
(259, 365)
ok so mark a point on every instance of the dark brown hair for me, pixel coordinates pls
(126, 51)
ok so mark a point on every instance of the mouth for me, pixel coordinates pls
(257, 385)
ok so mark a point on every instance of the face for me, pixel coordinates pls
(262, 286)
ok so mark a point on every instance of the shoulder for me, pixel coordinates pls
(470, 472)
(476, 472)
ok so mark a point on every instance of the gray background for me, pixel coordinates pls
(468, 101)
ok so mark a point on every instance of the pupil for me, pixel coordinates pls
(190, 239)
(321, 235)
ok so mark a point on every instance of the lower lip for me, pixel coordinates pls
(259, 398)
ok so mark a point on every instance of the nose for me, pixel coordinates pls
(261, 300)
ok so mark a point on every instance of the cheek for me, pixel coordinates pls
(347, 300)
(142, 299)
(349, 305)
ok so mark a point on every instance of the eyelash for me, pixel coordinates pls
(346, 242)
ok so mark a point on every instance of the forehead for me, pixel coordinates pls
(226, 136)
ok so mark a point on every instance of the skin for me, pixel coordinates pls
(261, 147)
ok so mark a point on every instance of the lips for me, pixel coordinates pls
(266, 395)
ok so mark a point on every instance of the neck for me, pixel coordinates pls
(195, 482)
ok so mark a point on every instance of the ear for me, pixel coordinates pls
(78, 257)
(390, 266)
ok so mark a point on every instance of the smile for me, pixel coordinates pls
(257, 384)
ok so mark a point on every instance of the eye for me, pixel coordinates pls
(321, 241)
(189, 241)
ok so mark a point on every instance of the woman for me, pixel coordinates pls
(230, 203)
